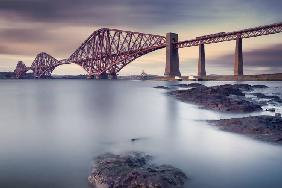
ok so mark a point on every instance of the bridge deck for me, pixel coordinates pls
(221, 37)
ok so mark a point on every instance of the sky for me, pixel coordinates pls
(58, 27)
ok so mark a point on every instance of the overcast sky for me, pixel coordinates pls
(58, 27)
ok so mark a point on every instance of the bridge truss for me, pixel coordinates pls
(221, 37)
(106, 51)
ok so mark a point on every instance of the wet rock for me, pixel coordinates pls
(244, 87)
(265, 128)
(133, 170)
(271, 109)
(270, 97)
(188, 85)
(161, 87)
(247, 87)
(219, 98)
(181, 85)
(196, 85)
(277, 115)
(259, 86)
(136, 139)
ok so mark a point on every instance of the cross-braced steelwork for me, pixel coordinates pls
(21, 69)
(221, 37)
(44, 64)
(107, 51)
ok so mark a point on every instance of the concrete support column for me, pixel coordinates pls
(172, 57)
(238, 63)
(202, 61)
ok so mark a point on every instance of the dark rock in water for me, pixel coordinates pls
(244, 87)
(161, 87)
(271, 97)
(271, 109)
(247, 87)
(135, 139)
(181, 85)
(196, 85)
(219, 98)
(260, 86)
(265, 128)
(277, 114)
(188, 85)
(133, 170)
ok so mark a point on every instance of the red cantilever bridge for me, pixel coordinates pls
(106, 51)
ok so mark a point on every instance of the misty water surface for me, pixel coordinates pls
(50, 131)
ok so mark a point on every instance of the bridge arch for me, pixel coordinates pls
(107, 51)
(69, 69)
(44, 64)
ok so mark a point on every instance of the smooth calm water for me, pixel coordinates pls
(50, 130)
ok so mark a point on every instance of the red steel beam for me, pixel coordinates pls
(221, 37)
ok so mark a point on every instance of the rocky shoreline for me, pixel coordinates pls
(232, 98)
(135, 169)
(132, 170)
(225, 98)
(264, 128)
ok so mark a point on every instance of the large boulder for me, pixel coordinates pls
(133, 170)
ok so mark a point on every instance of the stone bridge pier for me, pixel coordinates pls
(172, 56)
(202, 61)
(238, 63)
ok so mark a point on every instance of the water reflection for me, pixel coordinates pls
(50, 130)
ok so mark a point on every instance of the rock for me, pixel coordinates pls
(161, 87)
(271, 109)
(181, 85)
(219, 98)
(277, 115)
(135, 139)
(133, 170)
(266, 128)
(271, 97)
(259, 86)
(196, 85)
(188, 85)
(244, 87)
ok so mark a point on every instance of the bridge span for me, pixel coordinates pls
(106, 51)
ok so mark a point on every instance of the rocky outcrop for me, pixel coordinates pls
(265, 128)
(187, 85)
(226, 98)
(260, 86)
(272, 98)
(133, 170)
(161, 87)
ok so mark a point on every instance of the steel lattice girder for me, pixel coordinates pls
(109, 50)
(44, 64)
(21, 69)
(221, 37)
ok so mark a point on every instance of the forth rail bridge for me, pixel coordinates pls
(106, 51)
